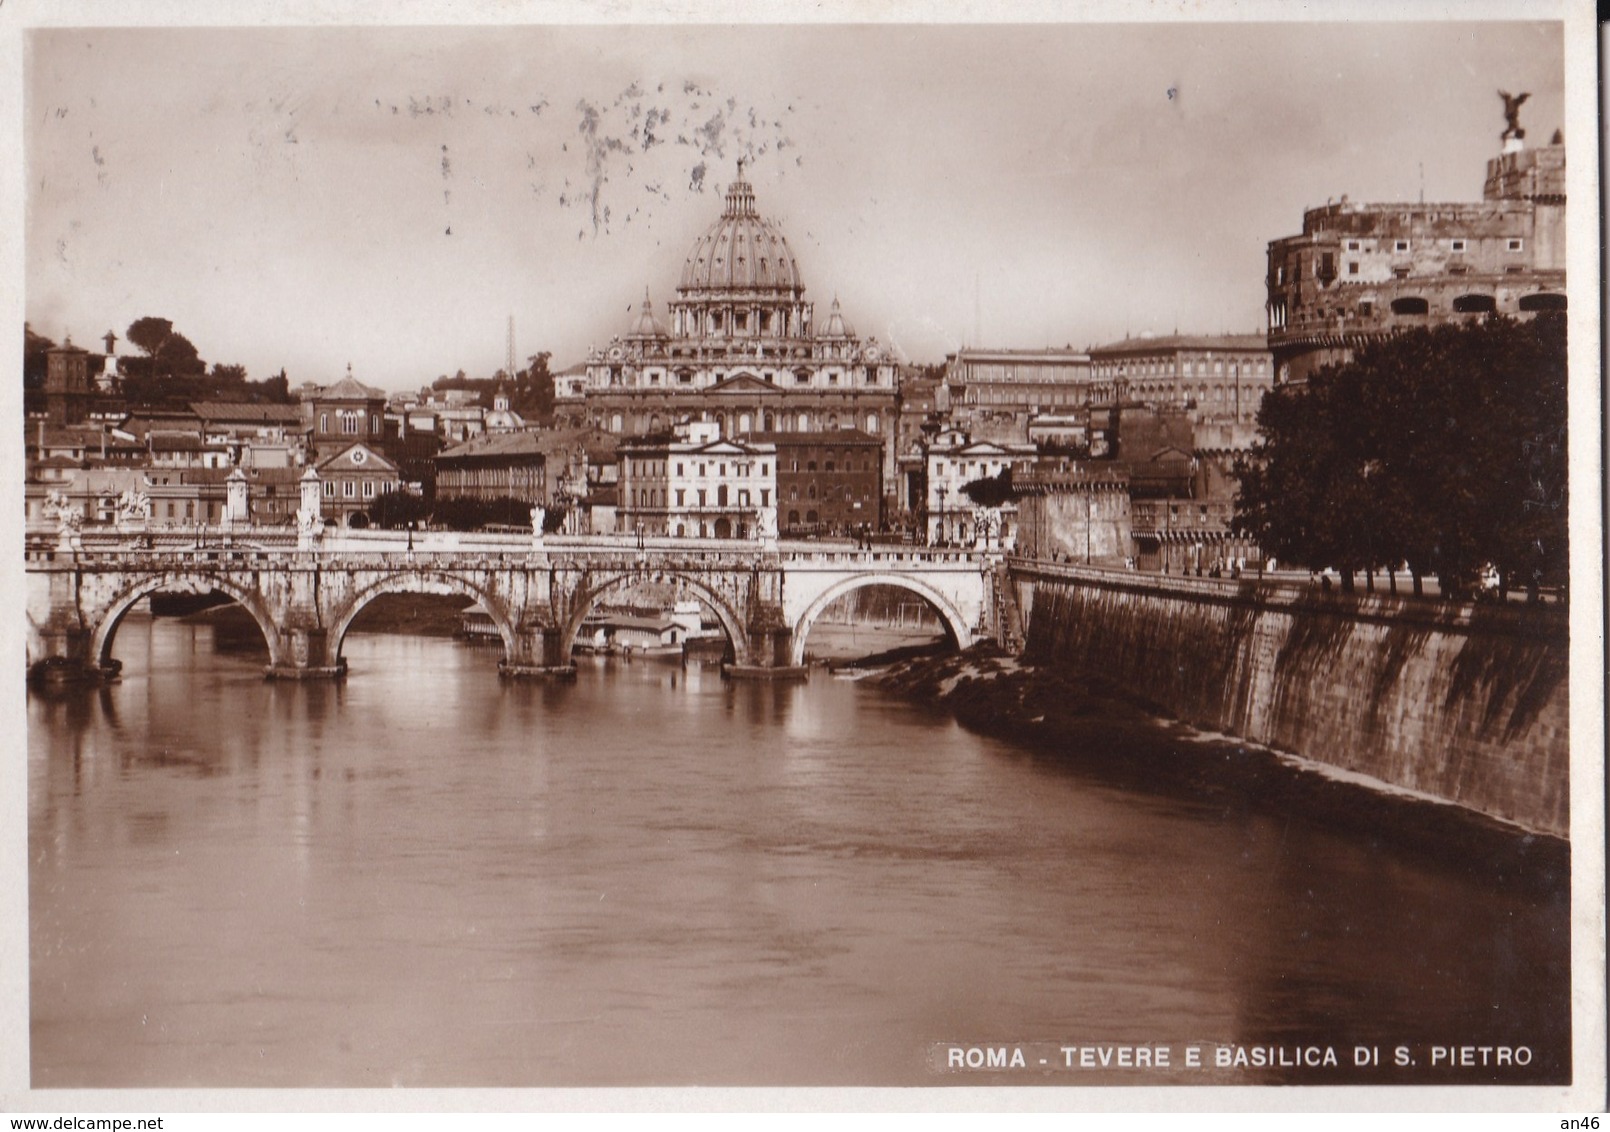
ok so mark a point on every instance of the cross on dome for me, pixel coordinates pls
(740, 196)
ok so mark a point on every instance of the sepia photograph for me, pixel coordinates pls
(1016, 556)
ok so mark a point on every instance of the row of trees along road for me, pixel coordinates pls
(1440, 450)
(401, 509)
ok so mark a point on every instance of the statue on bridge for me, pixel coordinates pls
(69, 518)
(539, 519)
(133, 506)
(308, 527)
(66, 513)
(766, 525)
(983, 522)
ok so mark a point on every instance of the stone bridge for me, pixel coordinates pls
(304, 590)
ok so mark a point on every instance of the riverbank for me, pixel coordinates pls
(1078, 720)
(868, 644)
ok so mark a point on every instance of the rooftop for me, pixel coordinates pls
(348, 388)
(254, 412)
(1058, 353)
(253, 475)
(1165, 342)
(826, 436)
(524, 443)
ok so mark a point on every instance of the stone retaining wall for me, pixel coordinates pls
(1464, 702)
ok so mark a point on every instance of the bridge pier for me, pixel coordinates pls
(67, 657)
(304, 654)
(767, 653)
(62, 650)
(539, 649)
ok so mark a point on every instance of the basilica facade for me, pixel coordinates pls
(740, 346)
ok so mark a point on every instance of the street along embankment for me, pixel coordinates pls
(1462, 703)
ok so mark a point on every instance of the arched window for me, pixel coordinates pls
(1475, 304)
(771, 422)
(1410, 304)
(872, 423)
(1542, 301)
(745, 422)
(804, 422)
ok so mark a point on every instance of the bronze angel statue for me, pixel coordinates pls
(1512, 114)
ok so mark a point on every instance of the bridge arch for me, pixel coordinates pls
(955, 623)
(420, 582)
(180, 581)
(596, 589)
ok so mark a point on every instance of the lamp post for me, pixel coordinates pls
(640, 538)
(410, 540)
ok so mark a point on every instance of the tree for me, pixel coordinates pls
(397, 509)
(1303, 491)
(1443, 449)
(149, 334)
(991, 491)
(177, 357)
(530, 391)
(168, 354)
(534, 392)
(276, 389)
(473, 514)
(35, 364)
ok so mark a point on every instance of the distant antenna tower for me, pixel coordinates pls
(508, 364)
(1422, 182)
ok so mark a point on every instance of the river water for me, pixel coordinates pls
(427, 876)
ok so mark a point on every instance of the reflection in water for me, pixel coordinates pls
(428, 876)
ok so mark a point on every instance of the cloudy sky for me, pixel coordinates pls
(310, 197)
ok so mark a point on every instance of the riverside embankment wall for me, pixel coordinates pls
(1464, 702)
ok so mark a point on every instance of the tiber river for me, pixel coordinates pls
(428, 876)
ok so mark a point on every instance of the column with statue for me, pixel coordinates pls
(766, 527)
(309, 521)
(237, 501)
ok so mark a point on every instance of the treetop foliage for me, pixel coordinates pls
(398, 509)
(1440, 449)
(530, 391)
(991, 491)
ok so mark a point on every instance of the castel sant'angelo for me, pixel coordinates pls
(1359, 271)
